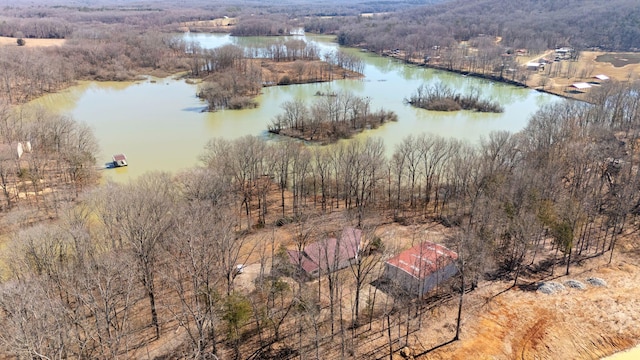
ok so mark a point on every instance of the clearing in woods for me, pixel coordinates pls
(32, 42)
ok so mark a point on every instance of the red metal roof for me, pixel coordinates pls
(328, 254)
(299, 258)
(119, 157)
(423, 259)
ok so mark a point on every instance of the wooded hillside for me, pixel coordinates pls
(610, 25)
(134, 265)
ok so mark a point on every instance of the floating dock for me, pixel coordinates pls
(119, 160)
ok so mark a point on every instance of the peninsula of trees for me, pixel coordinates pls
(231, 78)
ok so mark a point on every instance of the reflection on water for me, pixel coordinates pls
(159, 123)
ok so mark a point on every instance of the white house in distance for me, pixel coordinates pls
(421, 268)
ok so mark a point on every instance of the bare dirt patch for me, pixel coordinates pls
(572, 324)
(9, 41)
(303, 71)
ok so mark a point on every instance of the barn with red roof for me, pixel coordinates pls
(421, 268)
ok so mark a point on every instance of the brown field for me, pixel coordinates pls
(216, 25)
(9, 41)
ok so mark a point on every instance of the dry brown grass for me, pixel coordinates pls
(572, 324)
(9, 41)
(216, 25)
(303, 71)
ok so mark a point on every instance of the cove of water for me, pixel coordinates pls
(160, 124)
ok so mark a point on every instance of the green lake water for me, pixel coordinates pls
(160, 124)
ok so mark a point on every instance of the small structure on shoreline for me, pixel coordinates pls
(119, 160)
(580, 86)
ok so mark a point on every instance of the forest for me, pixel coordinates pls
(525, 24)
(115, 272)
(154, 268)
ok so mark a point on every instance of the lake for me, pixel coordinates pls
(160, 124)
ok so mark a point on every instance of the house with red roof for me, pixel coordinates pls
(421, 268)
(328, 255)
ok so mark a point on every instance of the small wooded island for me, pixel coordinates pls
(440, 97)
(232, 80)
(330, 118)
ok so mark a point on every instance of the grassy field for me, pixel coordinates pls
(216, 25)
(619, 59)
(9, 41)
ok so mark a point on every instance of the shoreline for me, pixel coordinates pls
(489, 77)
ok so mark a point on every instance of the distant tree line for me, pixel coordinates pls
(535, 25)
(98, 54)
(261, 26)
(42, 28)
(61, 21)
(482, 36)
